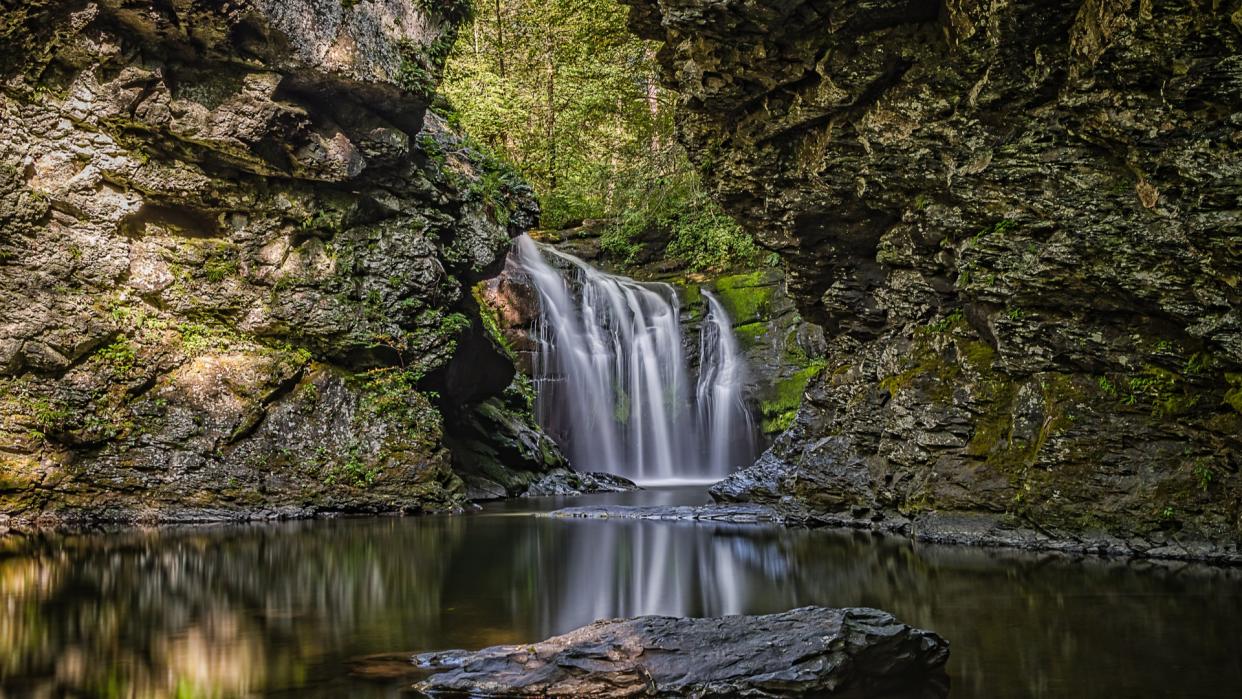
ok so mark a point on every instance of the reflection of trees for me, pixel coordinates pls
(234, 610)
(217, 612)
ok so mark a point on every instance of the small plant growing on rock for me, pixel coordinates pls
(946, 323)
(219, 267)
(1204, 474)
(120, 356)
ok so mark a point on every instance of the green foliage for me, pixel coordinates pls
(781, 408)
(196, 338)
(353, 471)
(947, 323)
(704, 237)
(220, 267)
(49, 415)
(999, 228)
(564, 92)
(1204, 473)
(491, 188)
(1164, 392)
(119, 356)
(1107, 387)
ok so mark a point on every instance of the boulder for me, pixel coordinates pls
(566, 482)
(812, 651)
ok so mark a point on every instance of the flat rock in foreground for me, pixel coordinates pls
(807, 652)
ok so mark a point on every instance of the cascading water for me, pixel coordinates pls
(611, 376)
(725, 422)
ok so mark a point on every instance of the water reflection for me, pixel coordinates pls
(270, 610)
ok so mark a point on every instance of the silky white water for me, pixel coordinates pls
(612, 379)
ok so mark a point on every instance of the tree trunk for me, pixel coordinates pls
(550, 55)
(500, 42)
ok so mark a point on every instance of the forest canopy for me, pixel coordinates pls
(561, 89)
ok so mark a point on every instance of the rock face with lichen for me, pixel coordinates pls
(1020, 226)
(236, 253)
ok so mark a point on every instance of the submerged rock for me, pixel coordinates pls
(567, 482)
(812, 651)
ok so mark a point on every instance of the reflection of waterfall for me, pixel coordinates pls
(633, 568)
(611, 376)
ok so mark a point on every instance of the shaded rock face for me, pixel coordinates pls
(1018, 224)
(807, 652)
(235, 255)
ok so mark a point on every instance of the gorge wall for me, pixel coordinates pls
(236, 260)
(1020, 225)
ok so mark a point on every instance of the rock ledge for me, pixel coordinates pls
(740, 513)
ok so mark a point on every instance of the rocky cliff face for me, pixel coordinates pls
(1020, 225)
(236, 252)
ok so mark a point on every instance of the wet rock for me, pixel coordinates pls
(807, 652)
(736, 513)
(567, 482)
(1017, 225)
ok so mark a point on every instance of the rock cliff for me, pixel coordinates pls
(1020, 226)
(236, 255)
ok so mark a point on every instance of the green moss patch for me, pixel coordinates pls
(748, 335)
(1233, 397)
(746, 297)
(779, 411)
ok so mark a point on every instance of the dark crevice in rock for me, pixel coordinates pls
(176, 220)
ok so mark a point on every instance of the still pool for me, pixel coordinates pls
(289, 609)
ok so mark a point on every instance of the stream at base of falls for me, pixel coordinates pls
(288, 609)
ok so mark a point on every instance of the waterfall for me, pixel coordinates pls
(612, 380)
(726, 426)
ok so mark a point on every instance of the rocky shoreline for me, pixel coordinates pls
(952, 528)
